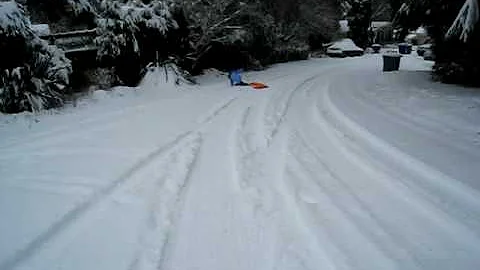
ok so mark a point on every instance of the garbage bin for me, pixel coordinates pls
(391, 62)
(376, 48)
(404, 48)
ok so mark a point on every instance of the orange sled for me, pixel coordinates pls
(258, 85)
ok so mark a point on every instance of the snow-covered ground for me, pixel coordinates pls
(335, 166)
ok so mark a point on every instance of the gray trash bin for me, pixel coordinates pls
(391, 62)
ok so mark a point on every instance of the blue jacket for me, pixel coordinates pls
(235, 77)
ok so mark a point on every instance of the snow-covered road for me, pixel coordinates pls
(335, 166)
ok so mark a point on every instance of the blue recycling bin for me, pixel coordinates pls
(404, 48)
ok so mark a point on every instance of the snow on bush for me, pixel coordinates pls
(38, 82)
(12, 20)
(82, 6)
(155, 15)
(115, 31)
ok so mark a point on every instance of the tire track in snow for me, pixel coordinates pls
(324, 242)
(425, 125)
(369, 218)
(418, 214)
(325, 194)
(69, 218)
(250, 158)
(441, 191)
(256, 154)
(319, 187)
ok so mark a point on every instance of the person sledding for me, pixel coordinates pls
(235, 77)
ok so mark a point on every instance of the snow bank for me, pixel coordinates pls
(157, 76)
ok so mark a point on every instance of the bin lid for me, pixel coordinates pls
(392, 55)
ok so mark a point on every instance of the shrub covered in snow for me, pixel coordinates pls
(35, 76)
(12, 20)
(116, 32)
(82, 6)
(130, 34)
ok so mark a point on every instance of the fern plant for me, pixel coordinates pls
(38, 80)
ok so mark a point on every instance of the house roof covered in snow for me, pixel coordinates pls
(345, 44)
(421, 31)
(41, 30)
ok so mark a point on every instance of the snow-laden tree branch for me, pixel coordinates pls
(466, 20)
(120, 25)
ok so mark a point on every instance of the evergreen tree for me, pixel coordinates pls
(359, 19)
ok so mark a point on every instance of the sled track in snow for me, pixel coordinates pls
(245, 148)
(276, 118)
(165, 209)
(176, 212)
(253, 144)
(217, 110)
